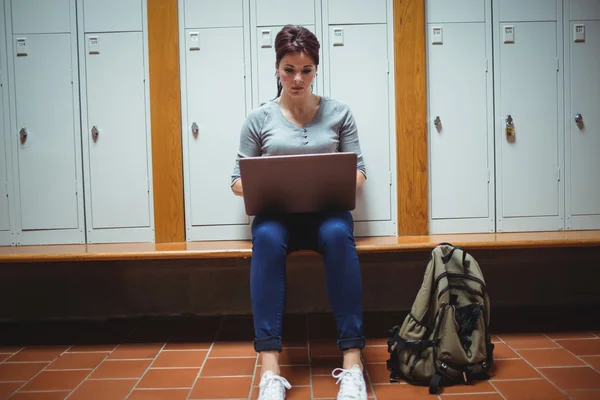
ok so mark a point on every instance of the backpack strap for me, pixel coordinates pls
(466, 263)
(434, 383)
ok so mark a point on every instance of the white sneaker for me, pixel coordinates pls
(353, 386)
(272, 387)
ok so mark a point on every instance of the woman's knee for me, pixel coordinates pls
(336, 229)
(269, 234)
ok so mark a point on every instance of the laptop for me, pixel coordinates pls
(303, 183)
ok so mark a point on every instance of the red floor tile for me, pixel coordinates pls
(551, 358)
(77, 361)
(584, 347)
(153, 394)
(531, 390)
(56, 380)
(104, 390)
(573, 378)
(31, 354)
(221, 388)
(528, 341)
(168, 378)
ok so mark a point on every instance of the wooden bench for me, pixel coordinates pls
(242, 249)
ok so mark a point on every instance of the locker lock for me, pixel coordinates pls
(195, 129)
(95, 133)
(23, 135)
(510, 126)
(579, 120)
(438, 123)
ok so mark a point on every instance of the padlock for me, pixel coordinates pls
(510, 127)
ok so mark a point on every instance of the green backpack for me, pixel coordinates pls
(445, 339)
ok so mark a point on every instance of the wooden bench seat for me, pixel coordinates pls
(241, 249)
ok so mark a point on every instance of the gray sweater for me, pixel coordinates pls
(266, 132)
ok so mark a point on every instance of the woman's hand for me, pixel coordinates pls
(360, 179)
(237, 188)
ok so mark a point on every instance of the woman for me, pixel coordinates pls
(298, 121)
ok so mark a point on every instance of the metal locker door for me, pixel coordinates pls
(216, 110)
(46, 136)
(112, 15)
(275, 12)
(583, 125)
(265, 50)
(358, 76)
(460, 137)
(528, 90)
(118, 188)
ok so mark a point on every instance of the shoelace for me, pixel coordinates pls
(272, 387)
(350, 387)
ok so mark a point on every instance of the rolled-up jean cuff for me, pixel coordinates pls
(272, 343)
(352, 343)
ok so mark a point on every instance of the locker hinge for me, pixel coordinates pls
(558, 174)
(71, 76)
(6, 188)
(557, 63)
(388, 66)
(245, 67)
(390, 178)
(489, 175)
(487, 65)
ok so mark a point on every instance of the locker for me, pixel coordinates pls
(581, 117)
(357, 74)
(112, 15)
(213, 13)
(116, 161)
(529, 134)
(217, 98)
(266, 82)
(41, 16)
(460, 128)
(6, 222)
(357, 12)
(275, 12)
(443, 11)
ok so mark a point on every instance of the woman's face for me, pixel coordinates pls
(296, 72)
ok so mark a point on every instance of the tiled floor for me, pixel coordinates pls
(213, 358)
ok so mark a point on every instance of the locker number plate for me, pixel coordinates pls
(338, 37)
(579, 32)
(437, 35)
(93, 46)
(509, 34)
(21, 47)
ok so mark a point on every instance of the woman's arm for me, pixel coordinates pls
(360, 179)
(237, 188)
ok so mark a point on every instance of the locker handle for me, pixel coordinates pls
(438, 123)
(579, 119)
(195, 129)
(23, 135)
(95, 133)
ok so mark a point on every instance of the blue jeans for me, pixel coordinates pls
(330, 234)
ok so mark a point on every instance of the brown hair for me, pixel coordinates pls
(293, 39)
